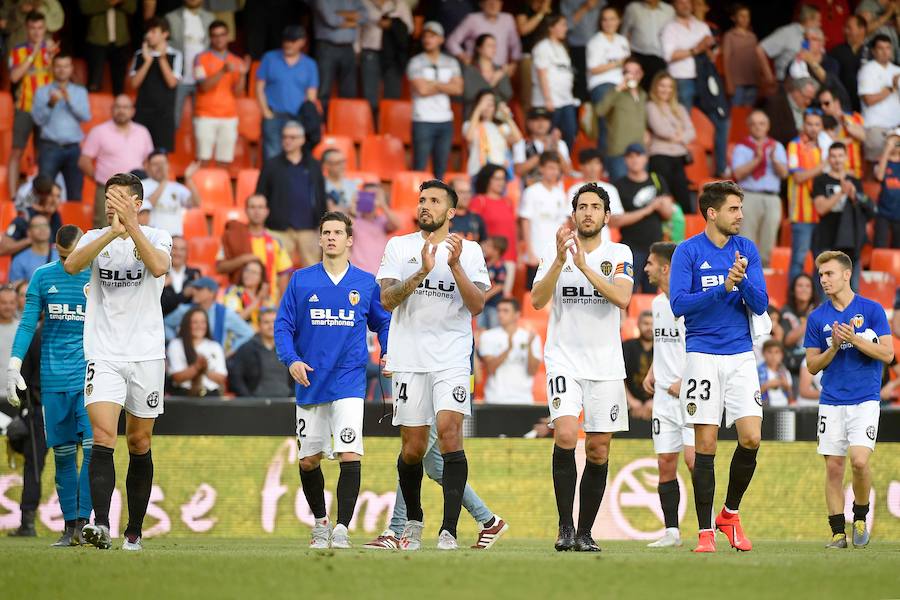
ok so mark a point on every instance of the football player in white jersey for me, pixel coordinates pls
(670, 433)
(125, 349)
(433, 282)
(589, 281)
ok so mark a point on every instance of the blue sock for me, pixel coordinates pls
(84, 481)
(67, 479)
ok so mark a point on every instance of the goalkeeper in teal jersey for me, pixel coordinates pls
(61, 299)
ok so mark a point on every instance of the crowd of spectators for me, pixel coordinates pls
(515, 103)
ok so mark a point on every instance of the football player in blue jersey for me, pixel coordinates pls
(717, 284)
(320, 334)
(849, 339)
(61, 299)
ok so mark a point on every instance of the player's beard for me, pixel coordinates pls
(590, 233)
(434, 225)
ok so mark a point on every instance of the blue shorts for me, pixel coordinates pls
(65, 418)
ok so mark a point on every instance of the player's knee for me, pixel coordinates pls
(668, 465)
(597, 452)
(859, 464)
(565, 437)
(834, 467)
(450, 439)
(138, 442)
(750, 440)
(413, 450)
(309, 463)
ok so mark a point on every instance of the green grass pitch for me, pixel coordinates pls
(276, 568)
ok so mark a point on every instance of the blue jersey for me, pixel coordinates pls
(716, 321)
(61, 297)
(851, 377)
(324, 325)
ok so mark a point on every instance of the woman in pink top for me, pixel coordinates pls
(739, 57)
(671, 130)
(496, 209)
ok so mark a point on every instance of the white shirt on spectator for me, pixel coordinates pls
(777, 396)
(520, 150)
(211, 350)
(615, 203)
(675, 36)
(873, 78)
(546, 209)
(435, 108)
(642, 24)
(510, 383)
(600, 51)
(194, 37)
(553, 57)
(168, 214)
(493, 144)
(782, 45)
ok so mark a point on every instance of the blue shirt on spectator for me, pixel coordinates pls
(580, 33)
(61, 123)
(889, 198)
(768, 183)
(26, 262)
(328, 24)
(286, 85)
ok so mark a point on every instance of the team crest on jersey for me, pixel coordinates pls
(614, 413)
(87, 287)
(348, 435)
(606, 268)
(137, 255)
(353, 296)
(89, 389)
(691, 408)
(757, 397)
(153, 399)
(857, 321)
(460, 394)
(870, 432)
(629, 270)
(556, 402)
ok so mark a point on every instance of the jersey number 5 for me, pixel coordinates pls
(692, 389)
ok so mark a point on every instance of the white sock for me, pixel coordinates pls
(674, 531)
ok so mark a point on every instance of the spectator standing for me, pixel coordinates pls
(583, 17)
(671, 130)
(739, 58)
(226, 327)
(384, 43)
(541, 136)
(169, 199)
(759, 164)
(490, 20)
(625, 111)
(638, 354)
(542, 210)
(881, 19)
(340, 192)
(804, 164)
(642, 24)
(434, 77)
(493, 249)
(108, 40)
(850, 55)
(484, 74)
(116, 146)
(220, 78)
(371, 227)
(44, 201)
(38, 254)
(254, 370)
(802, 298)
(850, 129)
(606, 53)
(244, 242)
(265, 33)
(16, 14)
(490, 132)
(835, 14)
(467, 224)
(196, 363)
(336, 25)
(29, 70)
(529, 20)
(189, 34)
(250, 294)
(155, 74)
(682, 39)
(293, 184)
(812, 62)
(775, 381)
(58, 110)
(285, 80)
(783, 44)
(511, 355)
(647, 202)
(553, 79)
(887, 171)
(592, 172)
(878, 92)
(496, 209)
(178, 290)
(448, 13)
(787, 107)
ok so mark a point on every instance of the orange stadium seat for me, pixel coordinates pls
(6, 111)
(777, 288)
(395, 118)
(628, 328)
(739, 129)
(698, 171)
(405, 189)
(704, 127)
(7, 214)
(77, 213)
(246, 185)
(881, 291)
(195, 223)
(780, 260)
(382, 154)
(202, 251)
(639, 303)
(350, 117)
(220, 217)
(693, 224)
(885, 260)
(214, 186)
(101, 105)
(249, 119)
(343, 143)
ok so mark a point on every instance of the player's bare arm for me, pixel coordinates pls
(534, 362)
(542, 291)
(472, 295)
(816, 360)
(126, 209)
(618, 291)
(393, 291)
(82, 258)
(299, 371)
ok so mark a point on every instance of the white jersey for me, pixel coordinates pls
(583, 337)
(124, 320)
(432, 329)
(668, 344)
(510, 383)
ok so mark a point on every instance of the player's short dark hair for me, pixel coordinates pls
(438, 184)
(548, 156)
(512, 302)
(132, 182)
(158, 22)
(217, 24)
(837, 146)
(714, 195)
(35, 16)
(772, 343)
(335, 215)
(500, 243)
(67, 236)
(880, 38)
(663, 250)
(836, 255)
(591, 188)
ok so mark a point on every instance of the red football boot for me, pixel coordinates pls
(707, 541)
(730, 525)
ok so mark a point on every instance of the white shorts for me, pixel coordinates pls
(840, 427)
(668, 428)
(330, 428)
(215, 132)
(603, 402)
(717, 383)
(136, 386)
(418, 397)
